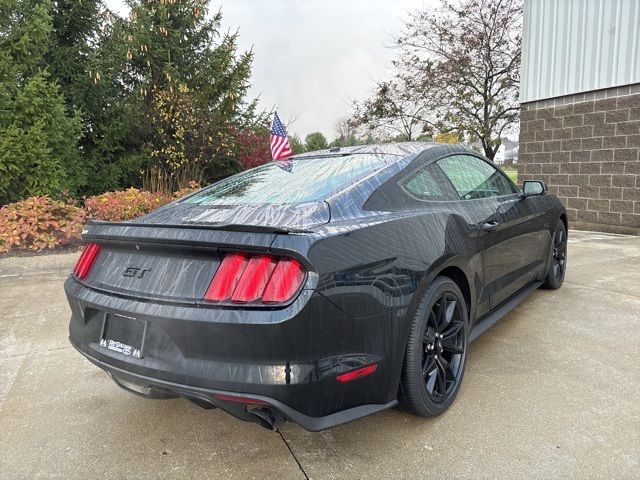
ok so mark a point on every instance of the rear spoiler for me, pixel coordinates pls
(194, 234)
(232, 227)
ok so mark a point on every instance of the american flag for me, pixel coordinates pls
(280, 146)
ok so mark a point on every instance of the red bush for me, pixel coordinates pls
(37, 223)
(131, 203)
(253, 148)
(40, 222)
(123, 205)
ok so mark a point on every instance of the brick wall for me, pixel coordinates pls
(586, 147)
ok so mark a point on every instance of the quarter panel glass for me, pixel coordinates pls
(423, 185)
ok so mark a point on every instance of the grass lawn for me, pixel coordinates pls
(512, 173)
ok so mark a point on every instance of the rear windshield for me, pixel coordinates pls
(310, 180)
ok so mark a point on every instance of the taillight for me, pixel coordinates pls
(285, 281)
(254, 279)
(226, 278)
(87, 257)
(242, 278)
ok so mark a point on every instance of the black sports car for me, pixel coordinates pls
(321, 291)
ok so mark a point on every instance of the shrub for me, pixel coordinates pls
(131, 203)
(123, 205)
(253, 148)
(38, 223)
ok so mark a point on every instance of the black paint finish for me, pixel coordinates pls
(370, 250)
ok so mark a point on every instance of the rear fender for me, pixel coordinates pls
(428, 278)
(436, 269)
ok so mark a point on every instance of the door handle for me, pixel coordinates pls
(490, 226)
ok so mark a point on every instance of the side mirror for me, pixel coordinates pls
(533, 187)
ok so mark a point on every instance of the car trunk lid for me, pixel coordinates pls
(172, 253)
(165, 263)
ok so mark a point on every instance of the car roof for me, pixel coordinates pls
(400, 149)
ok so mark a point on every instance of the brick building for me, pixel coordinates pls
(580, 101)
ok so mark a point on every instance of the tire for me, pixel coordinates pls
(434, 365)
(558, 261)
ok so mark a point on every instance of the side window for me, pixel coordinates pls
(475, 178)
(423, 185)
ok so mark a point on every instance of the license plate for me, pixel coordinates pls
(123, 334)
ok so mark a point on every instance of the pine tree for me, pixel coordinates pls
(38, 138)
(193, 86)
(76, 27)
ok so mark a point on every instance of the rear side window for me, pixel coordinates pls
(475, 178)
(423, 185)
(310, 180)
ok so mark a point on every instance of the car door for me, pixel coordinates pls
(511, 230)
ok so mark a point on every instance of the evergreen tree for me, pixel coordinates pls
(84, 47)
(38, 138)
(315, 141)
(162, 93)
(192, 86)
(76, 27)
(297, 145)
(112, 142)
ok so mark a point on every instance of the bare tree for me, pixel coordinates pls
(344, 129)
(345, 134)
(393, 111)
(468, 54)
(457, 71)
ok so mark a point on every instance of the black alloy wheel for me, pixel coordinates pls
(444, 346)
(558, 260)
(436, 351)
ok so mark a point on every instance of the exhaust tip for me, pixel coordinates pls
(267, 418)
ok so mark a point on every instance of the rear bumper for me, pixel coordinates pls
(287, 358)
(159, 389)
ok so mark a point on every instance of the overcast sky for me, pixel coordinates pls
(312, 57)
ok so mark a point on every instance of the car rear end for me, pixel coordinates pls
(212, 311)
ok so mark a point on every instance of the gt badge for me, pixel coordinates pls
(135, 272)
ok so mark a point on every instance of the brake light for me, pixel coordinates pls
(242, 278)
(254, 279)
(226, 278)
(285, 281)
(87, 257)
(359, 373)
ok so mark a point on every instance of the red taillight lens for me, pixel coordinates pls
(285, 281)
(254, 279)
(242, 278)
(87, 257)
(359, 373)
(226, 278)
